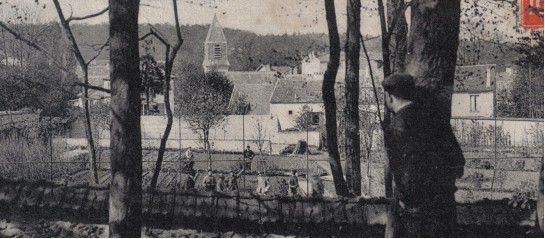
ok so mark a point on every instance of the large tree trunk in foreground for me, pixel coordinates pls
(125, 140)
(432, 47)
(330, 104)
(398, 35)
(394, 44)
(431, 59)
(353, 174)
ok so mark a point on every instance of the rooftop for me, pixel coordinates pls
(294, 91)
(475, 78)
(257, 95)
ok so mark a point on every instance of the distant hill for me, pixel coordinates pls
(248, 50)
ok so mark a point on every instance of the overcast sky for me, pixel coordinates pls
(260, 16)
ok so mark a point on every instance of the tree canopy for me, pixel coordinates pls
(38, 87)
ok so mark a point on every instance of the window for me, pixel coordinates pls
(290, 112)
(473, 103)
(217, 51)
(315, 118)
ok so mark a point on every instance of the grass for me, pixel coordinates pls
(30, 159)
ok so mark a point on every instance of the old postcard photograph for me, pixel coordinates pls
(271, 118)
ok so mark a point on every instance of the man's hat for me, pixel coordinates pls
(400, 85)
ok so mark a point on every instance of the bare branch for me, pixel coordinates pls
(383, 126)
(156, 35)
(177, 21)
(49, 56)
(107, 43)
(32, 44)
(88, 16)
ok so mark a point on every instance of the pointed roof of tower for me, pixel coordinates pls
(215, 32)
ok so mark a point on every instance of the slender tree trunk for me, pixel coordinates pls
(207, 147)
(330, 104)
(125, 135)
(394, 50)
(84, 67)
(89, 132)
(164, 139)
(352, 96)
(147, 101)
(169, 62)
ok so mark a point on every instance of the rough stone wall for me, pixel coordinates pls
(91, 203)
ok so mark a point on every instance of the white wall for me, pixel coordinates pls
(461, 106)
(287, 121)
(227, 137)
(522, 132)
(310, 66)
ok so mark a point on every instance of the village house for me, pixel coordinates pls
(474, 91)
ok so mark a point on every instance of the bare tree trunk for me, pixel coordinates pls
(432, 48)
(125, 135)
(207, 147)
(353, 47)
(164, 139)
(85, 98)
(169, 63)
(393, 53)
(398, 35)
(330, 104)
(88, 132)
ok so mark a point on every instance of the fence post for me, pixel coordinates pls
(50, 155)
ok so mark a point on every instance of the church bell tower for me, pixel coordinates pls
(215, 49)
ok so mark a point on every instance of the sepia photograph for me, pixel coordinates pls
(271, 118)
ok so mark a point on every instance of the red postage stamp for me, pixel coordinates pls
(531, 12)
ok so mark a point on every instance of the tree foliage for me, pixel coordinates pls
(152, 77)
(38, 87)
(303, 121)
(203, 100)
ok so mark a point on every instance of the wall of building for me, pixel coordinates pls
(287, 120)
(461, 105)
(519, 132)
(232, 135)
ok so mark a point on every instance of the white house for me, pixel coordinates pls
(314, 66)
(289, 97)
(474, 91)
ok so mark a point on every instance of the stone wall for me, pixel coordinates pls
(91, 203)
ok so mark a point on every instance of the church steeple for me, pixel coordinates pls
(215, 49)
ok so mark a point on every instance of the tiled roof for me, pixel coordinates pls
(284, 70)
(474, 78)
(251, 77)
(292, 91)
(257, 95)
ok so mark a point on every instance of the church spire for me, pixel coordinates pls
(215, 48)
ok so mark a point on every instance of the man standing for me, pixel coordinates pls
(293, 184)
(189, 154)
(263, 184)
(232, 181)
(209, 181)
(425, 160)
(248, 157)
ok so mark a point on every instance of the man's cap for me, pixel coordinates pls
(400, 85)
